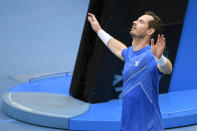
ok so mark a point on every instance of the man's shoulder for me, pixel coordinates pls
(125, 51)
(149, 56)
(150, 53)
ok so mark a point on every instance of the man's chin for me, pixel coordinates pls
(131, 33)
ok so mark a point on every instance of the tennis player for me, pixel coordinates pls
(143, 67)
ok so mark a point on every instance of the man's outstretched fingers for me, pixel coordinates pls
(89, 19)
(158, 39)
(90, 14)
(152, 42)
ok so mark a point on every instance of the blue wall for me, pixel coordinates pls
(184, 75)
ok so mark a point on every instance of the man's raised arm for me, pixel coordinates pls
(114, 45)
(164, 65)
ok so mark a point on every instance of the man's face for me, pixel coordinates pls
(140, 26)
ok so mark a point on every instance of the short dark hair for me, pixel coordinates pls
(157, 23)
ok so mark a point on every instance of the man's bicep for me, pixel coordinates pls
(116, 47)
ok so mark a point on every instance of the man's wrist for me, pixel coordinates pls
(98, 30)
(161, 61)
(104, 36)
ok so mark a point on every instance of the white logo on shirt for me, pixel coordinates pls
(137, 63)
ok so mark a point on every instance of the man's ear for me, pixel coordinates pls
(151, 31)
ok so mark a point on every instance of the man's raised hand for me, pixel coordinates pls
(159, 47)
(94, 23)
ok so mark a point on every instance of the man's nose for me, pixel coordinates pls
(134, 22)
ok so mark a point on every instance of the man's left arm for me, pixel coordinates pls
(164, 65)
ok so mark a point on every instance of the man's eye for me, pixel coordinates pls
(142, 22)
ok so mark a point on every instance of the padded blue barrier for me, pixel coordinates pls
(45, 109)
(100, 117)
(44, 101)
(177, 108)
(185, 68)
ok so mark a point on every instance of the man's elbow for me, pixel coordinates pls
(169, 68)
(168, 71)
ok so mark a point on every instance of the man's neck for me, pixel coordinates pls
(139, 43)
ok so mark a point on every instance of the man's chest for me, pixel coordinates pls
(134, 65)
